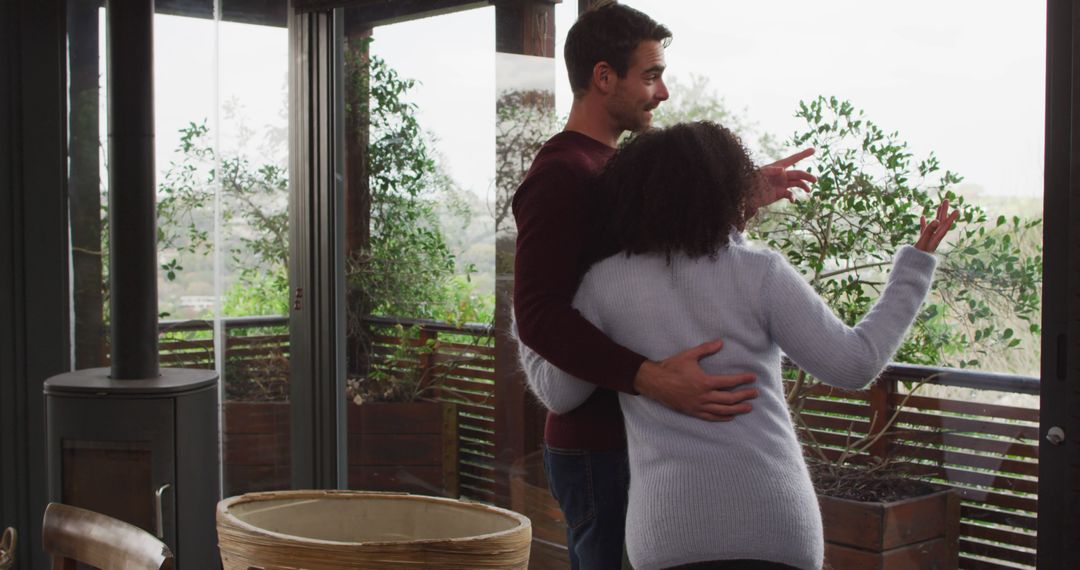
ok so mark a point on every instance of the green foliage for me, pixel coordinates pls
(459, 303)
(406, 269)
(407, 264)
(397, 376)
(258, 294)
(870, 194)
(255, 198)
(182, 198)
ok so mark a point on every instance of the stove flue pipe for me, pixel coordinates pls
(133, 264)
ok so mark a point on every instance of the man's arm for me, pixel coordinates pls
(551, 214)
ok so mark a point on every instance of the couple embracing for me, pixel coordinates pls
(638, 303)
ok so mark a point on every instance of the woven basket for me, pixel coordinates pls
(325, 530)
(7, 549)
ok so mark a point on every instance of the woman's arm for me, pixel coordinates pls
(851, 357)
(821, 344)
(558, 391)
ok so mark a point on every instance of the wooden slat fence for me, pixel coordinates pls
(463, 361)
(988, 452)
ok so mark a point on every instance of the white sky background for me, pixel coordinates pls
(251, 69)
(453, 59)
(964, 78)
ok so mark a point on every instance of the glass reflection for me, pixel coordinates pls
(419, 254)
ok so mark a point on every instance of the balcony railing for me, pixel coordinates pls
(987, 452)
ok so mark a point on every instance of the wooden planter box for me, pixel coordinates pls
(411, 447)
(256, 447)
(916, 534)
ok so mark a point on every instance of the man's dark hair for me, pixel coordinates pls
(607, 32)
(675, 189)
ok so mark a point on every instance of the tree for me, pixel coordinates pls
(866, 204)
(525, 120)
(405, 268)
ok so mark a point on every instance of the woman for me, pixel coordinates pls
(675, 272)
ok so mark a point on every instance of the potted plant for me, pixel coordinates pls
(866, 204)
(255, 412)
(876, 512)
(402, 435)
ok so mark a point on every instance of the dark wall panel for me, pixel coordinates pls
(1059, 452)
(8, 482)
(33, 247)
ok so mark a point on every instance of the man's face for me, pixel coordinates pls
(636, 95)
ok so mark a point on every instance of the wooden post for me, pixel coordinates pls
(357, 189)
(427, 359)
(526, 27)
(881, 410)
(84, 184)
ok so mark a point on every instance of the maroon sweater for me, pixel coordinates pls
(553, 208)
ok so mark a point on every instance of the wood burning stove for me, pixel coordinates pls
(142, 451)
(134, 441)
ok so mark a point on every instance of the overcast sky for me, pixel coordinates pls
(964, 78)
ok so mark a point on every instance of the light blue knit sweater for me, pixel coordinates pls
(728, 490)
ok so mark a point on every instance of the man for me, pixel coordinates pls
(615, 61)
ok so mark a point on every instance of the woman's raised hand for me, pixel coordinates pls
(931, 234)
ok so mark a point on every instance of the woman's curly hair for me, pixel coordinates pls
(675, 189)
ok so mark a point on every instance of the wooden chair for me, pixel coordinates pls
(7, 549)
(71, 535)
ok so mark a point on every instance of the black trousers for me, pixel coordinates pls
(735, 565)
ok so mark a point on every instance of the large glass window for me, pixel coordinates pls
(905, 104)
(942, 100)
(436, 141)
(222, 201)
(420, 258)
(962, 87)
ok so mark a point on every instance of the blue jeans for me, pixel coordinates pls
(591, 489)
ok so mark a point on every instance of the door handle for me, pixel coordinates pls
(159, 519)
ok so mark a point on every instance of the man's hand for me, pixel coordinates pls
(680, 384)
(776, 181)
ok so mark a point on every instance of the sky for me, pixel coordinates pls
(964, 78)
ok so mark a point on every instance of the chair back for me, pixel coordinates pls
(7, 549)
(71, 535)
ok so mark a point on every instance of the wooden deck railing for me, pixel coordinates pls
(988, 452)
(463, 359)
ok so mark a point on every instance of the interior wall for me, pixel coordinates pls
(34, 337)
